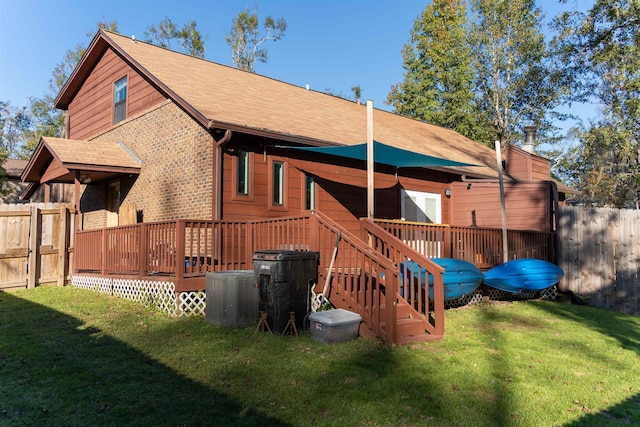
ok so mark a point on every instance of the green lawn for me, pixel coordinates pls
(74, 357)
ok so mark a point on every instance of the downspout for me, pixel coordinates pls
(217, 174)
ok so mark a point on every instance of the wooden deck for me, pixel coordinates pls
(366, 269)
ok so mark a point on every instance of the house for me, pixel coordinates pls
(21, 192)
(159, 137)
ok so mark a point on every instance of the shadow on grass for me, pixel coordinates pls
(624, 413)
(55, 371)
(616, 325)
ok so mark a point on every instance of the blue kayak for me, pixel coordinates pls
(460, 277)
(523, 275)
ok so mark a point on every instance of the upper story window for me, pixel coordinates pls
(120, 100)
(242, 170)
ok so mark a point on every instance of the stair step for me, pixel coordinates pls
(408, 326)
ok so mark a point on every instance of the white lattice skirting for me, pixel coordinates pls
(158, 295)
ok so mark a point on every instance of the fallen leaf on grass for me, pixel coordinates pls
(455, 387)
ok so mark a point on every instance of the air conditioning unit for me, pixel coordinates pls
(232, 298)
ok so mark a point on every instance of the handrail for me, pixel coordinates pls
(480, 246)
(361, 278)
(413, 283)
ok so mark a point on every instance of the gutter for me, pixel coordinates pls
(217, 173)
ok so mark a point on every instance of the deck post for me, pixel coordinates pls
(438, 304)
(180, 243)
(103, 255)
(391, 312)
(448, 250)
(143, 250)
(313, 232)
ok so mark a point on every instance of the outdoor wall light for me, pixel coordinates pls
(447, 192)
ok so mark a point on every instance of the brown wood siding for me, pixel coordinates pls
(91, 110)
(540, 169)
(478, 204)
(341, 189)
(518, 165)
(525, 166)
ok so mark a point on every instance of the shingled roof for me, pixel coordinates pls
(57, 160)
(219, 96)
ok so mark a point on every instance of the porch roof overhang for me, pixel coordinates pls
(64, 160)
(386, 154)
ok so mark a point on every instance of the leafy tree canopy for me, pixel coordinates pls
(602, 49)
(188, 37)
(484, 72)
(438, 85)
(246, 39)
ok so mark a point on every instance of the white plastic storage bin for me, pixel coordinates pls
(333, 326)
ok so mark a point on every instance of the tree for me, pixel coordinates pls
(14, 123)
(45, 120)
(3, 173)
(602, 49)
(438, 85)
(517, 80)
(14, 126)
(245, 38)
(188, 37)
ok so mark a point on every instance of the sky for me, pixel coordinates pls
(331, 45)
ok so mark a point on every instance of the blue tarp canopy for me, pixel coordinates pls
(385, 154)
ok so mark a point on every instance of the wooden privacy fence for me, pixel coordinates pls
(600, 255)
(35, 244)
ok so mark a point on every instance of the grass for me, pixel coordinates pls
(73, 357)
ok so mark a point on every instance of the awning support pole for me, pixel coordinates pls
(370, 162)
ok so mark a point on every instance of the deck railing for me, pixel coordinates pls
(365, 270)
(480, 246)
(182, 248)
(413, 285)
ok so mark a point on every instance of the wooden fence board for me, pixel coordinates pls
(35, 245)
(600, 255)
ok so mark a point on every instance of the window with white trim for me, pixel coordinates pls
(278, 184)
(309, 192)
(120, 100)
(242, 170)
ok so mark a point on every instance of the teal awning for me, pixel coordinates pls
(385, 154)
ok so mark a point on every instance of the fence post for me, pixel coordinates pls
(63, 253)
(34, 247)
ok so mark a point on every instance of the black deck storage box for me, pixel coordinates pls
(283, 279)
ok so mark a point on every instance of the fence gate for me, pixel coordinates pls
(35, 245)
(600, 255)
